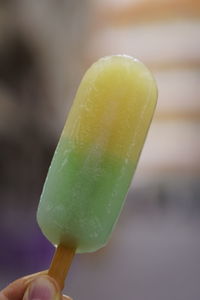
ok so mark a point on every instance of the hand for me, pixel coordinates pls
(37, 286)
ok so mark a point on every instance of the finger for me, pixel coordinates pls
(16, 289)
(27, 286)
(42, 288)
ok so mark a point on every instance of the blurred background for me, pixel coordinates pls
(45, 48)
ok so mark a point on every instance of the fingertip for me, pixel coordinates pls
(43, 288)
(23, 287)
(28, 278)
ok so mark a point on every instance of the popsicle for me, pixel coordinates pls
(97, 154)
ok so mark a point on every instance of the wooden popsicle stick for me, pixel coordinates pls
(60, 264)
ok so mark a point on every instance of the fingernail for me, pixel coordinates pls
(41, 289)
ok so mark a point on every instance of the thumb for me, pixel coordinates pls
(42, 288)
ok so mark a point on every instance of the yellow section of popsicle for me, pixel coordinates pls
(109, 112)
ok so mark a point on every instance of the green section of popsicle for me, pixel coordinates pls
(82, 198)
